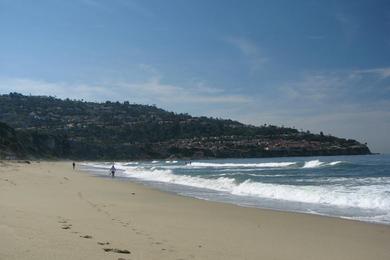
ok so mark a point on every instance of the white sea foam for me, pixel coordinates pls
(171, 161)
(220, 184)
(335, 163)
(381, 218)
(260, 165)
(127, 164)
(318, 163)
(360, 197)
(366, 197)
(308, 164)
(355, 181)
(312, 164)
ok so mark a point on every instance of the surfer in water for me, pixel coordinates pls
(112, 171)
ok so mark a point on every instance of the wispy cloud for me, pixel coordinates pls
(332, 86)
(312, 87)
(57, 89)
(163, 93)
(250, 50)
(348, 24)
(349, 103)
(382, 72)
(152, 91)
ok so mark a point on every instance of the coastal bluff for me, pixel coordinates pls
(48, 127)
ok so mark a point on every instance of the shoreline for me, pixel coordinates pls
(48, 210)
(272, 195)
(174, 193)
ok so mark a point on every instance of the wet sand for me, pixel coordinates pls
(49, 211)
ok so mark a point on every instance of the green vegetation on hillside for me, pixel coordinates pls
(51, 127)
(30, 144)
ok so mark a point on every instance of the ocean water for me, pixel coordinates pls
(354, 187)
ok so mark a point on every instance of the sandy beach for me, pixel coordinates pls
(49, 211)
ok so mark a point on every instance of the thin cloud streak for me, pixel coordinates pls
(382, 72)
(347, 86)
(250, 50)
(149, 92)
(348, 24)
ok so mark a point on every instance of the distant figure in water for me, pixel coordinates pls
(112, 171)
(74, 165)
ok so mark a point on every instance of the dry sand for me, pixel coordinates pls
(49, 211)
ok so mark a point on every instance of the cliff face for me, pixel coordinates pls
(50, 127)
(24, 144)
(9, 143)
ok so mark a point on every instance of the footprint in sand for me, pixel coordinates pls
(124, 224)
(66, 226)
(86, 236)
(10, 182)
(116, 250)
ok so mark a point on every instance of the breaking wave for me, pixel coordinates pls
(308, 164)
(374, 196)
(318, 163)
(260, 165)
(356, 188)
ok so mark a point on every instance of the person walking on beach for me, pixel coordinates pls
(112, 171)
(74, 165)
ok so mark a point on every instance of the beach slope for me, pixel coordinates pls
(49, 211)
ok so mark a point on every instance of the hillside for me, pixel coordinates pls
(9, 144)
(29, 144)
(51, 127)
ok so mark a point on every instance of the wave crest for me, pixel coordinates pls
(260, 165)
(368, 197)
(318, 163)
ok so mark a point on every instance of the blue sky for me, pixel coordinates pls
(316, 65)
